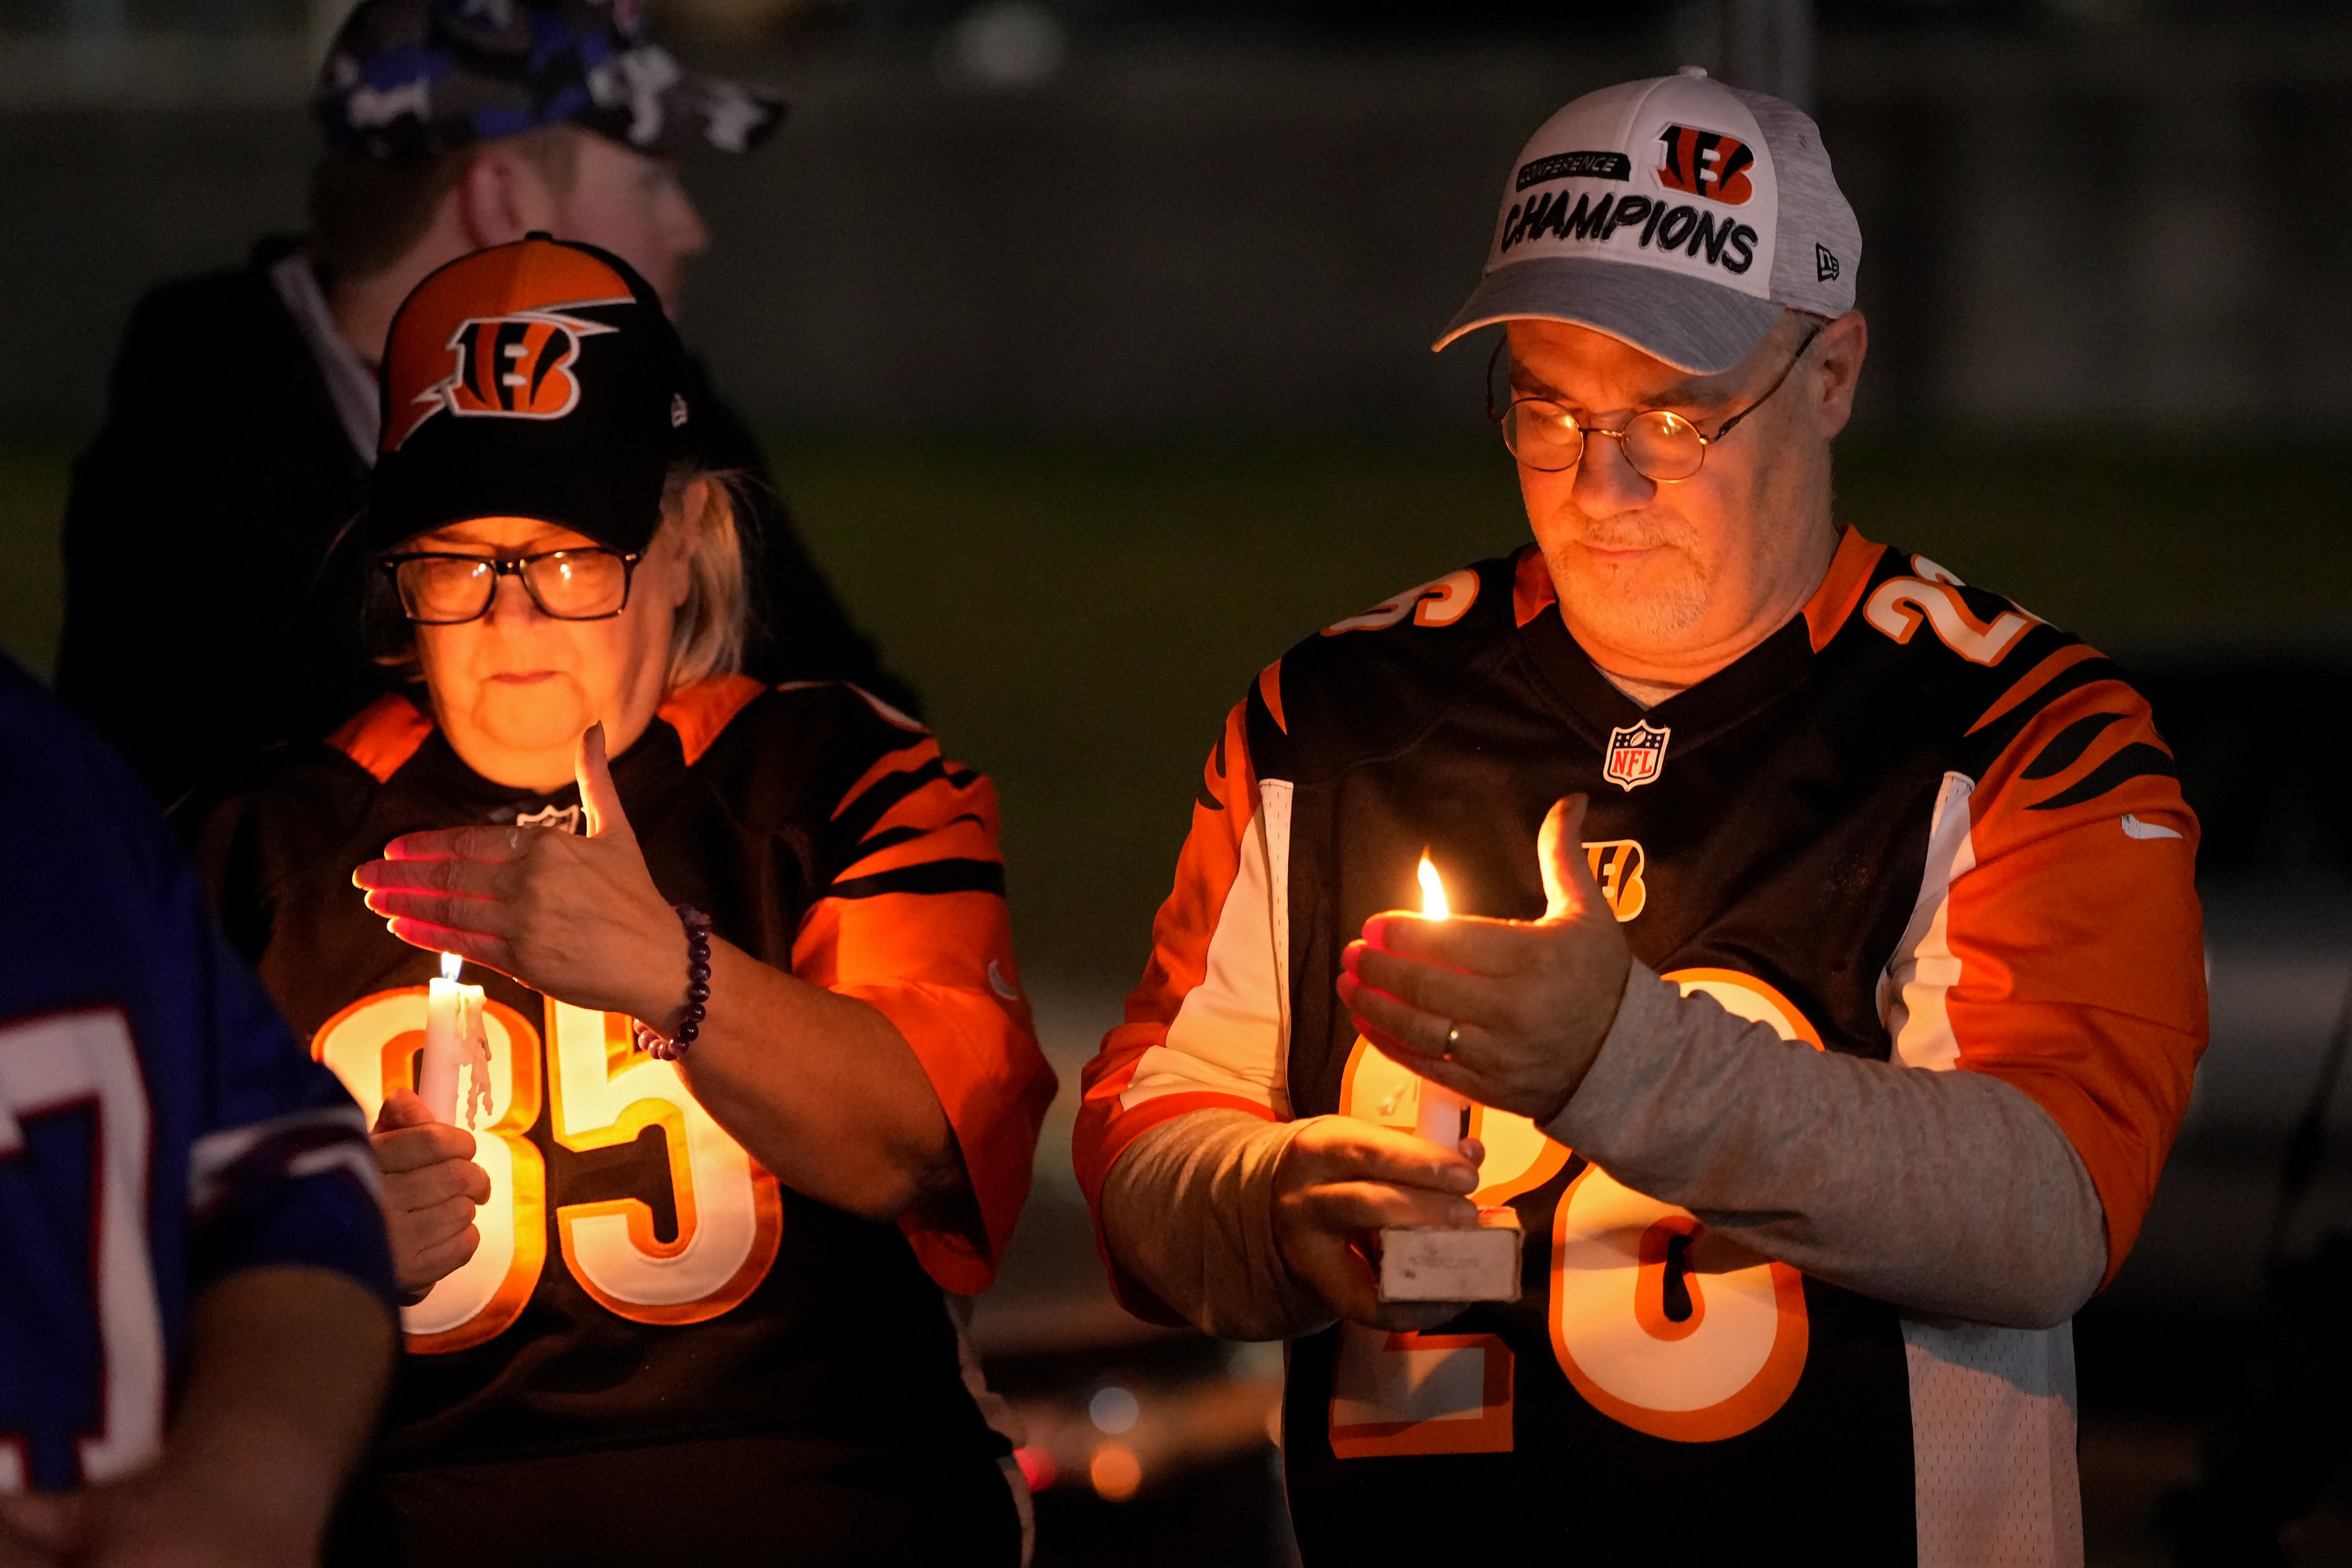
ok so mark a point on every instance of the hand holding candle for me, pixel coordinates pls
(1508, 1013)
(1447, 1263)
(1340, 1184)
(431, 1185)
(1350, 1195)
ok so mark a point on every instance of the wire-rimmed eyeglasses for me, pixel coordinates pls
(1660, 443)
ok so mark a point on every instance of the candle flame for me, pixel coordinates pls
(1432, 891)
(452, 965)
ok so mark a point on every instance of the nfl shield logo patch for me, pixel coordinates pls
(1636, 754)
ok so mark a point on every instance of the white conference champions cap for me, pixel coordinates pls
(1677, 214)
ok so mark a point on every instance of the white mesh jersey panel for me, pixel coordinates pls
(1992, 1410)
(1911, 993)
(1992, 1439)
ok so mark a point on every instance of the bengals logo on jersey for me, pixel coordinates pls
(1617, 864)
(1706, 164)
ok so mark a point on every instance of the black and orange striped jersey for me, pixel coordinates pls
(641, 1279)
(1917, 825)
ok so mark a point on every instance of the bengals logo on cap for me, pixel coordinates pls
(517, 366)
(494, 336)
(1706, 164)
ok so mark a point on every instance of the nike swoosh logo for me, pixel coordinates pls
(2135, 829)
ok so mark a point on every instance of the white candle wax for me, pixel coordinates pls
(1445, 1115)
(453, 1014)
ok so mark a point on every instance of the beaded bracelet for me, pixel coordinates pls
(697, 991)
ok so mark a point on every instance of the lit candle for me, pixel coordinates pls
(1449, 1262)
(1444, 1116)
(452, 1036)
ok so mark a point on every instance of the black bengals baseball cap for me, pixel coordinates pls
(540, 379)
(413, 79)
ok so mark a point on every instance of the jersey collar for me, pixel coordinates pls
(383, 736)
(1595, 707)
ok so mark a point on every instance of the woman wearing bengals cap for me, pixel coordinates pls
(760, 1085)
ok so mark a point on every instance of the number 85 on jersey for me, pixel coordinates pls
(601, 1092)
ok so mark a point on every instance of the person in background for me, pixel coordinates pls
(760, 1086)
(195, 1296)
(212, 576)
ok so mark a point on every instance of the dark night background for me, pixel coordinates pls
(1091, 340)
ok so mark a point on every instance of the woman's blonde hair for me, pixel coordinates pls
(708, 636)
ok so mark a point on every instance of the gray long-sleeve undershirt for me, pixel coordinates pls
(1950, 1193)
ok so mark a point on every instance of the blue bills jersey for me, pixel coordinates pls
(159, 1126)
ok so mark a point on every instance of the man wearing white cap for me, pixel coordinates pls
(1824, 985)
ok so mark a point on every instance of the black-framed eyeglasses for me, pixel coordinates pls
(1660, 443)
(442, 589)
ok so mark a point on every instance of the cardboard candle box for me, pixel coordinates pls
(1434, 1263)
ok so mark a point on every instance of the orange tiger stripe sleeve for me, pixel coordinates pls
(913, 922)
(2059, 946)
